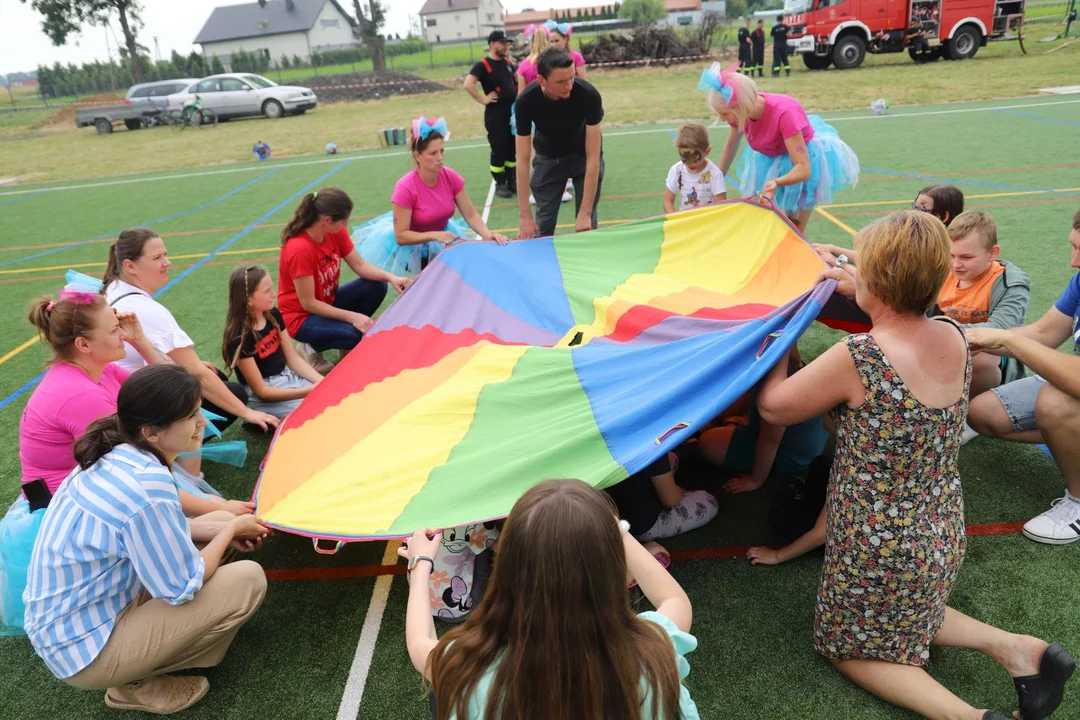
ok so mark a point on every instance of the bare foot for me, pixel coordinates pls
(1023, 655)
(743, 483)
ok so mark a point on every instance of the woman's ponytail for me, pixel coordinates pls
(100, 438)
(112, 269)
(329, 201)
(304, 217)
(128, 246)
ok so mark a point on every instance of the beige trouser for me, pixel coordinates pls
(152, 637)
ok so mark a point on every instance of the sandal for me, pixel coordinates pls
(1040, 695)
(664, 558)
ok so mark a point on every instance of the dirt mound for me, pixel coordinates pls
(66, 115)
(367, 85)
(643, 43)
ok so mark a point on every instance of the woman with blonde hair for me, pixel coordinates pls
(570, 646)
(894, 526)
(797, 161)
(559, 34)
(539, 41)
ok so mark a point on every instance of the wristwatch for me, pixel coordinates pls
(418, 558)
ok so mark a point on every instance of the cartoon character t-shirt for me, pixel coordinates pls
(451, 582)
(696, 189)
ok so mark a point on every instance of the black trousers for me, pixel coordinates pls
(548, 183)
(746, 57)
(779, 57)
(236, 389)
(501, 140)
(759, 57)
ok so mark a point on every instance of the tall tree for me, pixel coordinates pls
(643, 12)
(368, 25)
(63, 18)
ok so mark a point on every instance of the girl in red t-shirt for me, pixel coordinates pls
(316, 310)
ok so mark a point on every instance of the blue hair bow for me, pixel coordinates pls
(713, 78)
(425, 127)
(563, 29)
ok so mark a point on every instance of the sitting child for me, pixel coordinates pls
(258, 347)
(695, 180)
(656, 507)
(983, 291)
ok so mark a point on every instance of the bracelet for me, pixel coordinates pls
(624, 527)
(418, 558)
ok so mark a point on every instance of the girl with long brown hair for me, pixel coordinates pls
(257, 345)
(555, 636)
(421, 221)
(317, 312)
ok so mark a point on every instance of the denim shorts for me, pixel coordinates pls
(1018, 398)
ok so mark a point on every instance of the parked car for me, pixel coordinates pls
(157, 92)
(234, 95)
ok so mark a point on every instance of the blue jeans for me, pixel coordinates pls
(359, 295)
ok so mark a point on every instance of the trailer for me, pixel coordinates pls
(842, 32)
(133, 115)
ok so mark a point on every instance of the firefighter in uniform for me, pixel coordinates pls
(746, 52)
(495, 74)
(780, 47)
(757, 39)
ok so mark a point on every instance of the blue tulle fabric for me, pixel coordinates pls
(376, 243)
(834, 166)
(18, 531)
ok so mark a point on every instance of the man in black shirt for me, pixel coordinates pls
(746, 52)
(757, 39)
(567, 112)
(915, 38)
(780, 47)
(495, 73)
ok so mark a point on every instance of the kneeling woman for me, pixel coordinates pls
(795, 160)
(403, 240)
(118, 594)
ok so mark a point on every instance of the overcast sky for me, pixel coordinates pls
(175, 23)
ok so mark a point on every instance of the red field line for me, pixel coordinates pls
(723, 552)
(985, 171)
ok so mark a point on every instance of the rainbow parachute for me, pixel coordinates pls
(580, 356)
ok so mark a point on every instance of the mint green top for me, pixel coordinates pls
(684, 643)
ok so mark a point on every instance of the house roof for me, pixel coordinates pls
(432, 7)
(516, 22)
(682, 5)
(235, 22)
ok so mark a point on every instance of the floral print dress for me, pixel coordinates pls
(895, 519)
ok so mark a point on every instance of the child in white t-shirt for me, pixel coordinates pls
(695, 180)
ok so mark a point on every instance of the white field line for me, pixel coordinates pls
(369, 636)
(474, 146)
(487, 205)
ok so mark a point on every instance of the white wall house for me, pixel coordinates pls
(281, 27)
(452, 20)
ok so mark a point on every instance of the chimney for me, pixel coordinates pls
(290, 5)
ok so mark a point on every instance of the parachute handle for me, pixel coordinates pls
(327, 551)
(768, 340)
(674, 428)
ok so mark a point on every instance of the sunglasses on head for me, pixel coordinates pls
(690, 155)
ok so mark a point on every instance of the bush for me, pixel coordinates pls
(737, 8)
(360, 53)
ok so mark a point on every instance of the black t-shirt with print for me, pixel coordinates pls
(497, 75)
(560, 124)
(779, 33)
(264, 346)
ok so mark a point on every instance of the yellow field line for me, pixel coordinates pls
(840, 224)
(966, 197)
(18, 350)
(101, 264)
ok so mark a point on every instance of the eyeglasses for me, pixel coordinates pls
(916, 205)
(690, 155)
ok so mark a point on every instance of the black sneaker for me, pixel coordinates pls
(503, 191)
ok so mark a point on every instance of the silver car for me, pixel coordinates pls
(156, 93)
(233, 95)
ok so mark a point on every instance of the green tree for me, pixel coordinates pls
(368, 26)
(216, 68)
(283, 63)
(63, 18)
(643, 12)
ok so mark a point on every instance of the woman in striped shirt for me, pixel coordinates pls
(118, 593)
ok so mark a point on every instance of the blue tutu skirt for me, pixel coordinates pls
(377, 244)
(833, 165)
(18, 531)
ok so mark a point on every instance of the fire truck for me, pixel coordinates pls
(841, 32)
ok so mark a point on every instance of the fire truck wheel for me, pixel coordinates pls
(964, 43)
(816, 62)
(849, 52)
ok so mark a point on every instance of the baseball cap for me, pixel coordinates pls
(497, 36)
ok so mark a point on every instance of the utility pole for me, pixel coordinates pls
(157, 48)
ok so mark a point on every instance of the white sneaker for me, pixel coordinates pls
(566, 196)
(532, 199)
(969, 434)
(1060, 525)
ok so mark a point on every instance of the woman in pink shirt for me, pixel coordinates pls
(424, 200)
(795, 160)
(560, 38)
(538, 42)
(81, 384)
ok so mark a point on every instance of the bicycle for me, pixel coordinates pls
(193, 114)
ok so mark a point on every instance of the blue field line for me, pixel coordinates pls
(182, 213)
(24, 197)
(965, 181)
(1032, 116)
(266, 216)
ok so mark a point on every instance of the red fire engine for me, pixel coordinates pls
(841, 32)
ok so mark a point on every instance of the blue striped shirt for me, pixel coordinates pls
(110, 532)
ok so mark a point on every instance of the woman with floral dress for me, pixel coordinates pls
(895, 535)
